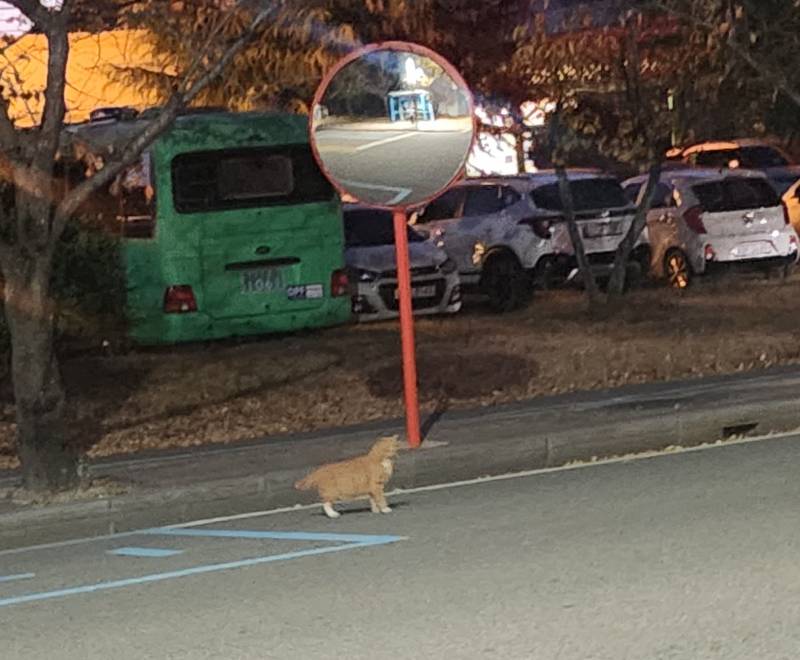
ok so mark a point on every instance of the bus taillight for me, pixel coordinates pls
(339, 284)
(179, 300)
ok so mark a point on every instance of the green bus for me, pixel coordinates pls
(228, 228)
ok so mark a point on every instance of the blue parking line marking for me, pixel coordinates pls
(197, 570)
(144, 552)
(366, 539)
(21, 576)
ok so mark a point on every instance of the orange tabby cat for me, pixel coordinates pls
(363, 476)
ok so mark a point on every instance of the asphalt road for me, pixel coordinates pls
(687, 556)
(392, 167)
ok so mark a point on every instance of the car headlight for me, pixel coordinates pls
(361, 275)
(478, 253)
(448, 266)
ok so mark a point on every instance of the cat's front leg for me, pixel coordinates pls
(373, 505)
(380, 500)
(329, 510)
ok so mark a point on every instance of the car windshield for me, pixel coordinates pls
(761, 157)
(587, 195)
(756, 157)
(371, 228)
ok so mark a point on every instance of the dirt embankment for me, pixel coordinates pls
(224, 392)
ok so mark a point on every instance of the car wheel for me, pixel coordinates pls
(677, 270)
(546, 275)
(505, 282)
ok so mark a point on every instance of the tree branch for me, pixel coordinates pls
(616, 285)
(758, 66)
(584, 267)
(776, 79)
(54, 102)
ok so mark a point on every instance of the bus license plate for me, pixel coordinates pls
(419, 292)
(263, 280)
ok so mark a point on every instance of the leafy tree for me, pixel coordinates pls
(36, 207)
(759, 39)
(611, 87)
(751, 47)
(282, 65)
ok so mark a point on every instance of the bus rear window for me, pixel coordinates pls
(257, 176)
(247, 178)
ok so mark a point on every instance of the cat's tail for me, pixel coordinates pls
(307, 483)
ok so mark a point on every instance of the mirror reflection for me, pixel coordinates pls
(393, 128)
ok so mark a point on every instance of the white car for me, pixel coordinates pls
(507, 233)
(704, 220)
(372, 268)
(604, 215)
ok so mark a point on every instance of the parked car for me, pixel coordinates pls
(507, 234)
(745, 153)
(372, 268)
(604, 215)
(704, 220)
(791, 199)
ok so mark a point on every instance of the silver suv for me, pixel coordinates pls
(507, 234)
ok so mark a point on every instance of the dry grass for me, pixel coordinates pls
(224, 392)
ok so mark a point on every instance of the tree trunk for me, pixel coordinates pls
(48, 462)
(586, 274)
(519, 144)
(616, 285)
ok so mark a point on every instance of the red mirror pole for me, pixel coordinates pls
(407, 328)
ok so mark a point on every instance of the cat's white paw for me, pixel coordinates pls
(386, 509)
(330, 511)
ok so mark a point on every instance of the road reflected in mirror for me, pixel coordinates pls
(393, 128)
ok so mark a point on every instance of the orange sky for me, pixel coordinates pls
(90, 74)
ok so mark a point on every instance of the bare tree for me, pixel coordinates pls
(36, 207)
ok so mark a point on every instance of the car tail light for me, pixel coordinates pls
(339, 284)
(694, 220)
(542, 227)
(786, 217)
(179, 300)
(709, 253)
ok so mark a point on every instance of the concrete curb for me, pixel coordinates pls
(462, 446)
